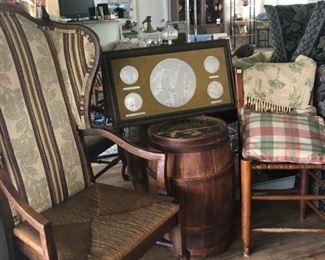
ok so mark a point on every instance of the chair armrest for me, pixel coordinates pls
(36, 220)
(137, 151)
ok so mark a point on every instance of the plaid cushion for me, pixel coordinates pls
(284, 138)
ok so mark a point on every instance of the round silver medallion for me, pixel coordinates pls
(129, 75)
(211, 64)
(215, 89)
(173, 82)
(133, 102)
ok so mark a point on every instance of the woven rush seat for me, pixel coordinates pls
(98, 222)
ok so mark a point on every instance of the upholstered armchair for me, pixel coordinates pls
(49, 205)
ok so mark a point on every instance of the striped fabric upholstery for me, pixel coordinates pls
(40, 73)
(76, 53)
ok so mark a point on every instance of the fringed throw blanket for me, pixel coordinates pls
(279, 87)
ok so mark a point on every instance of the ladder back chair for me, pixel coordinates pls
(50, 207)
(276, 138)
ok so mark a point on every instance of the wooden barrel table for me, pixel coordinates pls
(200, 170)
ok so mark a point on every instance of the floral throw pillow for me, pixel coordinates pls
(279, 87)
(312, 44)
(287, 26)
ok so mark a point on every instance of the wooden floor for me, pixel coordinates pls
(268, 246)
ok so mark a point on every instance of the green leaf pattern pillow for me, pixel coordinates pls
(279, 87)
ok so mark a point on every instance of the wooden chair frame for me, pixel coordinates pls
(247, 195)
(43, 226)
(8, 193)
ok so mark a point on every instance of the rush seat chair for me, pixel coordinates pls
(50, 207)
(276, 138)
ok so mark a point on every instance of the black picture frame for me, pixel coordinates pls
(145, 60)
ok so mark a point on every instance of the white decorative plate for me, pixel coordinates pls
(129, 75)
(215, 89)
(133, 102)
(173, 82)
(211, 64)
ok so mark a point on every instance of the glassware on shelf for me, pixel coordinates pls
(169, 33)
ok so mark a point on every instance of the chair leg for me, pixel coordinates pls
(304, 183)
(178, 234)
(246, 192)
(179, 243)
(125, 176)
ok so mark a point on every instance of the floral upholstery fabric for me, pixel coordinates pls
(279, 87)
(38, 137)
(287, 26)
(271, 137)
(76, 53)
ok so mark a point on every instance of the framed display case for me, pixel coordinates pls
(155, 84)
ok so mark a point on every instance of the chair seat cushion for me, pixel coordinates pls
(102, 222)
(273, 137)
